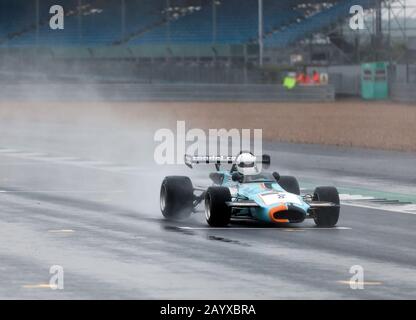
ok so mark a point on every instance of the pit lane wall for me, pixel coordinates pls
(166, 92)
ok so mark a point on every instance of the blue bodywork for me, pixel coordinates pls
(269, 197)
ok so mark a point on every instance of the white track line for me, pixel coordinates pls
(259, 228)
(62, 191)
(352, 197)
(351, 200)
(398, 209)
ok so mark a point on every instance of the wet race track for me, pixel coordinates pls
(68, 201)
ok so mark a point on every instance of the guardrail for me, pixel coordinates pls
(403, 92)
(166, 92)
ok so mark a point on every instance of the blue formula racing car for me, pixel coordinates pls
(246, 192)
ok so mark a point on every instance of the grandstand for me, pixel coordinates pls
(184, 40)
(116, 22)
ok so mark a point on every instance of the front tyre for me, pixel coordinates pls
(217, 213)
(176, 197)
(327, 217)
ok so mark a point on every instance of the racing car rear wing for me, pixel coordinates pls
(218, 160)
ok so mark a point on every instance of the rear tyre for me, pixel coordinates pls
(176, 197)
(290, 184)
(217, 213)
(326, 217)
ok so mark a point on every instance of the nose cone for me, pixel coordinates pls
(274, 216)
(286, 213)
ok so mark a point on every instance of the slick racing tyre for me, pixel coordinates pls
(176, 197)
(217, 213)
(326, 217)
(290, 184)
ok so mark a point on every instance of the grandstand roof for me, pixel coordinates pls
(106, 22)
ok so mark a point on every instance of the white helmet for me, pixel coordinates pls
(246, 164)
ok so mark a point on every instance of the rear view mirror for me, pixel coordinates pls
(276, 175)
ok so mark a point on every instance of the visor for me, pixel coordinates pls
(246, 164)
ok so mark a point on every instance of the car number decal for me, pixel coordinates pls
(273, 198)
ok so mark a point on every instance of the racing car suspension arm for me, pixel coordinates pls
(198, 198)
(321, 204)
(308, 198)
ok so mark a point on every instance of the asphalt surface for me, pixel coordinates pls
(86, 199)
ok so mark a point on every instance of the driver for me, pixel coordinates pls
(246, 164)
